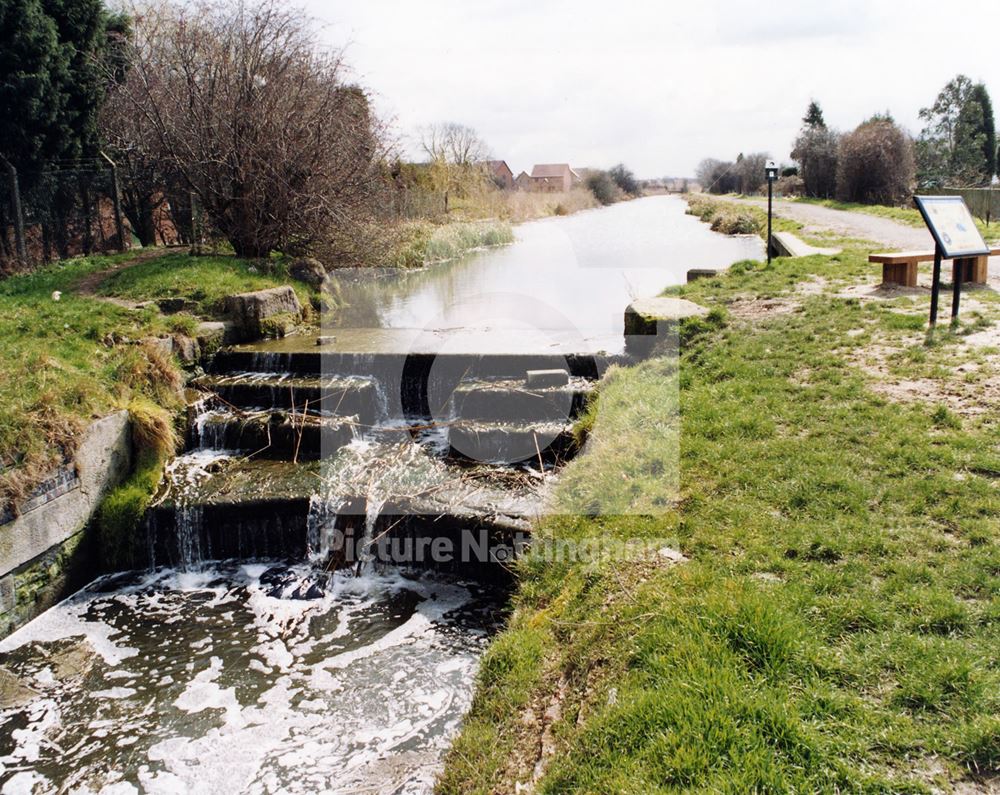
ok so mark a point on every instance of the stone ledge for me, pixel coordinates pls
(254, 313)
(649, 320)
(102, 461)
(785, 244)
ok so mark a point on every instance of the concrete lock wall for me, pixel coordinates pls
(38, 546)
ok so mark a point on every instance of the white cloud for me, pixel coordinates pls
(656, 85)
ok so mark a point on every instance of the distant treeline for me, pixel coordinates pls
(879, 162)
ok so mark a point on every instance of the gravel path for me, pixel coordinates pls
(884, 231)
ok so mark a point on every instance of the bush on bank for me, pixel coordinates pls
(727, 218)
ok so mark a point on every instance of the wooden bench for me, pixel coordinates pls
(900, 267)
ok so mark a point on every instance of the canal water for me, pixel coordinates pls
(239, 676)
(567, 278)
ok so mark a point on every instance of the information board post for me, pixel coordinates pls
(935, 285)
(957, 266)
(955, 237)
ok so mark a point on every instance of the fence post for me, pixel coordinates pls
(116, 202)
(15, 201)
(196, 249)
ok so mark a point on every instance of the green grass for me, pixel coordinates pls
(64, 363)
(835, 627)
(204, 280)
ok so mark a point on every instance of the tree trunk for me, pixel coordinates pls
(250, 249)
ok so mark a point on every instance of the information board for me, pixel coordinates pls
(951, 223)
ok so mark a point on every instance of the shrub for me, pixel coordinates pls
(875, 164)
(701, 207)
(790, 186)
(816, 152)
(625, 179)
(603, 187)
(736, 222)
(727, 219)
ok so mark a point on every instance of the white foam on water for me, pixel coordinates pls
(65, 621)
(25, 782)
(357, 691)
(115, 692)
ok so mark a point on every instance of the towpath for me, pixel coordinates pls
(816, 218)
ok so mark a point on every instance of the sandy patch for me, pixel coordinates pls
(758, 309)
(816, 285)
(972, 388)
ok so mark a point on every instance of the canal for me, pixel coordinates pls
(265, 674)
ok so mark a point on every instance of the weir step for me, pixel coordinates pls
(512, 401)
(249, 509)
(272, 434)
(415, 364)
(344, 397)
(507, 444)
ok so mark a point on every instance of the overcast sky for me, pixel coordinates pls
(658, 85)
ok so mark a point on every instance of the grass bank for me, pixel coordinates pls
(726, 217)
(833, 625)
(482, 220)
(423, 243)
(66, 362)
(202, 281)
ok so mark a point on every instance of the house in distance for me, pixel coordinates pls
(553, 177)
(501, 174)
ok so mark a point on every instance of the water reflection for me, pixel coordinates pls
(571, 274)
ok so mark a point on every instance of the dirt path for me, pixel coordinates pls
(91, 283)
(885, 231)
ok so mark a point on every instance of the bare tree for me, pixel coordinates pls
(454, 143)
(875, 163)
(456, 158)
(256, 120)
(717, 176)
(750, 170)
(132, 142)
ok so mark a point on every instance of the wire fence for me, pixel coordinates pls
(983, 203)
(69, 208)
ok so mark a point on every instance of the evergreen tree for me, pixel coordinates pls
(981, 96)
(81, 25)
(953, 145)
(51, 79)
(814, 117)
(34, 68)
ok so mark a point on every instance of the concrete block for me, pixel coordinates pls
(650, 320)
(785, 244)
(214, 334)
(252, 311)
(701, 273)
(543, 378)
(186, 348)
(104, 458)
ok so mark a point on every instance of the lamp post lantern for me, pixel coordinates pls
(771, 169)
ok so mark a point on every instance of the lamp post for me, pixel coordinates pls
(771, 169)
